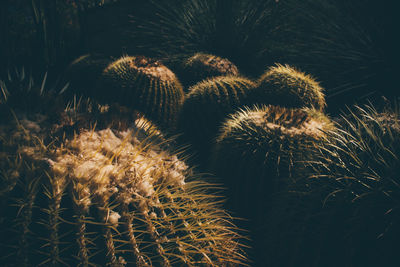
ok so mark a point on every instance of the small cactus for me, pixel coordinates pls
(285, 86)
(146, 85)
(206, 106)
(346, 212)
(203, 66)
(259, 149)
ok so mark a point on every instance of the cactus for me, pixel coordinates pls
(88, 197)
(259, 149)
(285, 86)
(146, 85)
(346, 212)
(206, 106)
(203, 66)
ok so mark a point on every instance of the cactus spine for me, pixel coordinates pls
(285, 86)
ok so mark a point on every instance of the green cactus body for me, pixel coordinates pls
(285, 86)
(349, 204)
(203, 66)
(146, 85)
(206, 106)
(258, 150)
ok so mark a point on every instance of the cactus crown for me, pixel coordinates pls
(286, 86)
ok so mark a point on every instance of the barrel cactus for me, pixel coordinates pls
(288, 87)
(146, 85)
(259, 151)
(207, 105)
(97, 197)
(202, 66)
(346, 213)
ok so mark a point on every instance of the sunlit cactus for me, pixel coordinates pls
(346, 213)
(206, 106)
(98, 197)
(203, 66)
(145, 85)
(285, 86)
(260, 150)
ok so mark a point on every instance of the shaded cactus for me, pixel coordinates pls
(285, 86)
(202, 66)
(347, 212)
(146, 85)
(258, 151)
(84, 73)
(206, 106)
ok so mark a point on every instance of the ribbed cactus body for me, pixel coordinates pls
(346, 212)
(204, 66)
(285, 86)
(146, 85)
(110, 197)
(259, 149)
(207, 105)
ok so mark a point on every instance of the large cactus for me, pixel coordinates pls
(206, 106)
(347, 212)
(146, 85)
(104, 197)
(202, 66)
(259, 149)
(285, 86)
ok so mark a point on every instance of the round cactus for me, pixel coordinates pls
(146, 85)
(206, 106)
(107, 197)
(285, 86)
(203, 66)
(258, 151)
(77, 196)
(347, 212)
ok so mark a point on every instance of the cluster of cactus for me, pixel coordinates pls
(133, 81)
(202, 66)
(105, 197)
(207, 104)
(345, 213)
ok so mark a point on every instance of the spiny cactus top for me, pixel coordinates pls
(208, 103)
(285, 86)
(259, 149)
(146, 85)
(202, 66)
